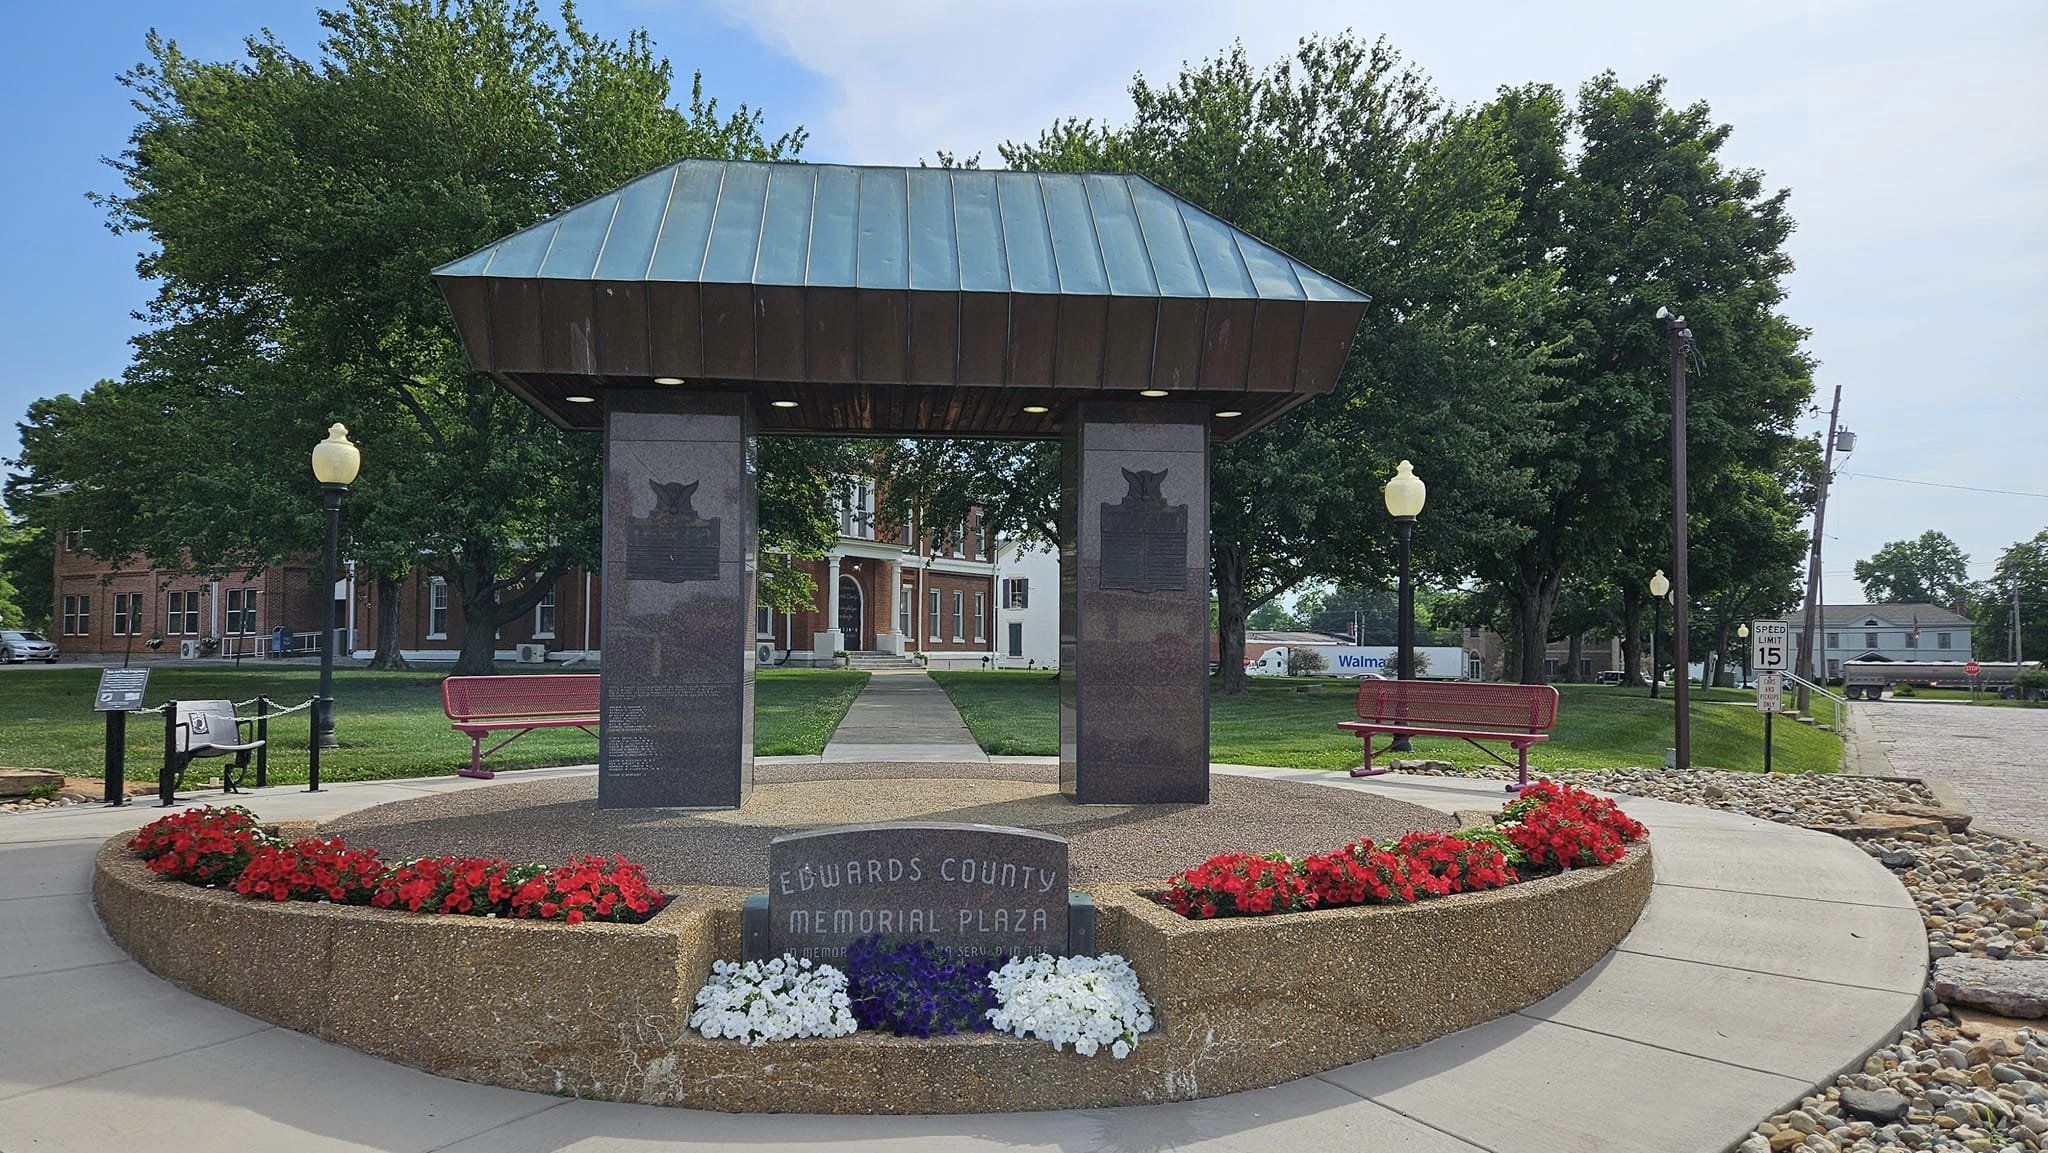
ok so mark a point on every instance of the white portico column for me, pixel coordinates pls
(886, 637)
(826, 642)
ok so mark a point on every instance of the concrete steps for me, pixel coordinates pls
(873, 660)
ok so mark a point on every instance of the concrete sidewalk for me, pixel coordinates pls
(902, 715)
(1769, 958)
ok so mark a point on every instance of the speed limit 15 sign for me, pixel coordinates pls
(1769, 647)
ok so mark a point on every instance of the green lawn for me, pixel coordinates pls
(1987, 697)
(390, 724)
(1272, 724)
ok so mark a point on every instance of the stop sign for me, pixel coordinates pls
(1971, 668)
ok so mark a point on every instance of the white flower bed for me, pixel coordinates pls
(776, 1000)
(1088, 1002)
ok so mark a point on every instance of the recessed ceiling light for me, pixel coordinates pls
(1227, 413)
(668, 380)
(783, 403)
(580, 399)
(1152, 392)
(1036, 409)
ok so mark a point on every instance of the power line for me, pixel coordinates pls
(1939, 484)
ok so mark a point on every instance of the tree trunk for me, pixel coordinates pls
(478, 655)
(1534, 602)
(1631, 634)
(390, 619)
(488, 603)
(1228, 566)
(1575, 654)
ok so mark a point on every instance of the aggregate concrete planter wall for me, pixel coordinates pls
(600, 1011)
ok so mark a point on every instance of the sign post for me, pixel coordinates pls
(1971, 670)
(120, 693)
(1770, 655)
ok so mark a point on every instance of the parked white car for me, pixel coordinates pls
(23, 645)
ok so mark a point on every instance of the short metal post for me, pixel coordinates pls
(262, 741)
(117, 758)
(313, 748)
(1767, 741)
(167, 780)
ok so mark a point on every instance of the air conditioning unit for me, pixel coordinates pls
(533, 654)
(764, 653)
(189, 650)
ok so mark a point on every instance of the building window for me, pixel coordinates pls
(857, 509)
(960, 540)
(906, 610)
(182, 616)
(1912, 640)
(1834, 640)
(127, 614)
(959, 615)
(764, 622)
(1016, 592)
(544, 617)
(78, 615)
(1869, 640)
(1943, 640)
(74, 540)
(980, 617)
(437, 609)
(241, 618)
(935, 615)
(1550, 666)
(1016, 638)
(1585, 668)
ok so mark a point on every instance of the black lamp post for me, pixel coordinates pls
(1659, 588)
(1404, 495)
(335, 463)
(1680, 337)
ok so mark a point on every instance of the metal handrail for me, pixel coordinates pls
(1839, 703)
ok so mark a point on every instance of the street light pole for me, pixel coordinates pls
(1404, 495)
(335, 462)
(1680, 338)
(1659, 589)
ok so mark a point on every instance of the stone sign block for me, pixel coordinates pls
(978, 890)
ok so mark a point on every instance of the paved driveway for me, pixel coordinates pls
(1997, 758)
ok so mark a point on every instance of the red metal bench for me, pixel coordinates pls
(1520, 715)
(480, 706)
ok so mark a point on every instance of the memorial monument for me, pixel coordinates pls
(711, 301)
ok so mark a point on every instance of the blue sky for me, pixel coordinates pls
(1915, 142)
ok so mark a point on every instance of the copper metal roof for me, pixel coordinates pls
(899, 300)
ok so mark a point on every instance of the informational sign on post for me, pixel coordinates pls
(1770, 693)
(120, 690)
(1770, 650)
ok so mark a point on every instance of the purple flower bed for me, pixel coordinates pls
(915, 989)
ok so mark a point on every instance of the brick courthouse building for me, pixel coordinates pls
(880, 592)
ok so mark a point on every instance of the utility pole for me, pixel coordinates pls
(1681, 681)
(1820, 513)
(2016, 656)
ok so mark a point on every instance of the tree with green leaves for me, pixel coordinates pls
(294, 208)
(2022, 570)
(1929, 569)
(26, 573)
(1624, 198)
(1343, 156)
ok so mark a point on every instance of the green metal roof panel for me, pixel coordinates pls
(927, 229)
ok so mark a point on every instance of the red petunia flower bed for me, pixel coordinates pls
(227, 847)
(1548, 829)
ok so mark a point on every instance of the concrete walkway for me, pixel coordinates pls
(902, 715)
(1768, 959)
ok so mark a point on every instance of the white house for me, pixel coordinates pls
(1903, 632)
(1027, 606)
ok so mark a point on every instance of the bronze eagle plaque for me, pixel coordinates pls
(672, 544)
(1144, 539)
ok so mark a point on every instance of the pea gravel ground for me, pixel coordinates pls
(548, 820)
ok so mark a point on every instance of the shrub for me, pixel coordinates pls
(1239, 883)
(587, 889)
(201, 846)
(1902, 689)
(312, 869)
(915, 989)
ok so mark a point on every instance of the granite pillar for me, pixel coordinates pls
(1134, 603)
(679, 583)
